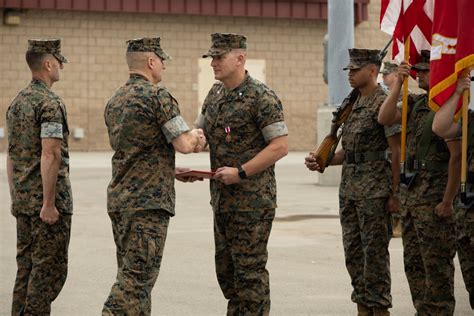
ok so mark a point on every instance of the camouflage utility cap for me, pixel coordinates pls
(424, 63)
(361, 57)
(147, 44)
(223, 43)
(47, 46)
(388, 68)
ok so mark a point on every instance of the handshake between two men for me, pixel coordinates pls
(227, 175)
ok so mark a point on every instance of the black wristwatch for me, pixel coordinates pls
(242, 173)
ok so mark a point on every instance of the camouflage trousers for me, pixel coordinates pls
(366, 232)
(241, 240)
(140, 239)
(465, 248)
(428, 252)
(42, 258)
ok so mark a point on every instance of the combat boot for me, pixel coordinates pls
(381, 312)
(363, 310)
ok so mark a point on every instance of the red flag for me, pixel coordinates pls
(452, 50)
(407, 19)
(465, 47)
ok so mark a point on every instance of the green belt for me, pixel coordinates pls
(428, 165)
(366, 156)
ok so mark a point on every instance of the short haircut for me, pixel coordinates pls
(35, 60)
(138, 60)
(239, 51)
(378, 65)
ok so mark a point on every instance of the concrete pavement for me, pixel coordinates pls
(306, 261)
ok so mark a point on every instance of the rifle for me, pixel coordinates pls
(326, 150)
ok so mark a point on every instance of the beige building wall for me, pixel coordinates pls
(95, 45)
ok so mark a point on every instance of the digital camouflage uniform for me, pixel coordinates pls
(142, 119)
(252, 115)
(42, 249)
(428, 241)
(465, 224)
(366, 184)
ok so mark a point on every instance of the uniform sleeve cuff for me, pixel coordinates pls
(174, 127)
(274, 130)
(51, 130)
(199, 123)
(392, 130)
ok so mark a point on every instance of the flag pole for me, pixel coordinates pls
(465, 105)
(404, 111)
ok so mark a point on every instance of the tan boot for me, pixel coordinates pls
(381, 312)
(363, 310)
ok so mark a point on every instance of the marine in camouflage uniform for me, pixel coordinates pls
(143, 120)
(390, 74)
(240, 123)
(367, 190)
(445, 126)
(38, 114)
(428, 236)
(366, 186)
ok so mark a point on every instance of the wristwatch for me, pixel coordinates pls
(242, 173)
